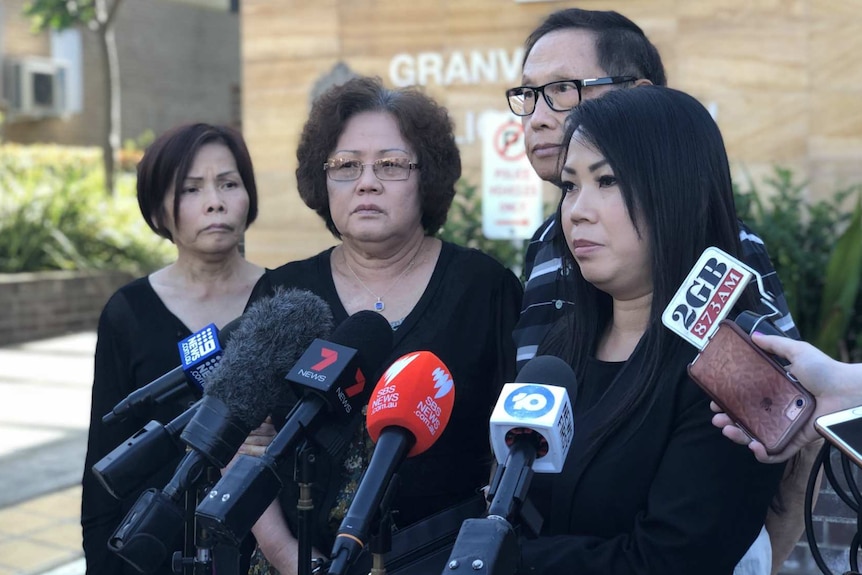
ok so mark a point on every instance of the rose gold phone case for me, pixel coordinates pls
(751, 387)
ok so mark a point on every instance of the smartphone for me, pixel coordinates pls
(765, 401)
(843, 429)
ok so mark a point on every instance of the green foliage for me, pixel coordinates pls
(464, 227)
(841, 288)
(59, 14)
(54, 215)
(811, 246)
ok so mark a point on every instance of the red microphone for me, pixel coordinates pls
(408, 411)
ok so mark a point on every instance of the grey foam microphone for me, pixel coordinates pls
(331, 378)
(249, 380)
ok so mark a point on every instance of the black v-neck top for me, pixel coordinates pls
(137, 343)
(465, 316)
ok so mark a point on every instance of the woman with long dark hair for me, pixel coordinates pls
(648, 485)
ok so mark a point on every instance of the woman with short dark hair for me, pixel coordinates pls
(196, 188)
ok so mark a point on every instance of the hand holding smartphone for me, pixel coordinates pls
(751, 387)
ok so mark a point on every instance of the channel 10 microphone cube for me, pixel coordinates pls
(543, 409)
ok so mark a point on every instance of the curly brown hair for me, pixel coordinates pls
(424, 124)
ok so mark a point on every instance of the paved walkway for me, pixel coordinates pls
(44, 414)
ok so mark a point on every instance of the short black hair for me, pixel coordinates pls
(621, 46)
(167, 162)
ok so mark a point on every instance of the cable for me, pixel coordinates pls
(853, 500)
(822, 457)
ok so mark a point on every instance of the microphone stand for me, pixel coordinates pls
(303, 474)
(197, 555)
(380, 543)
(489, 546)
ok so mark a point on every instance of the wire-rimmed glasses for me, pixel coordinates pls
(386, 169)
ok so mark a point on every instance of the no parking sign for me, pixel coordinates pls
(511, 190)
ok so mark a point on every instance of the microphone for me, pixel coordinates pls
(199, 354)
(531, 430)
(248, 381)
(707, 296)
(331, 376)
(750, 322)
(408, 411)
(237, 397)
(126, 467)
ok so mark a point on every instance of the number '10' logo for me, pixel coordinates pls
(529, 402)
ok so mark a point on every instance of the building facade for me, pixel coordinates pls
(179, 62)
(780, 76)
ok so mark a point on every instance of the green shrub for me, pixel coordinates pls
(815, 249)
(54, 215)
(464, 226)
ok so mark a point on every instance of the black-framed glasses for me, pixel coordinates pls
(561, 96)
(387, 169)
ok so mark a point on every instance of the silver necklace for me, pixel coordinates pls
(379, 306)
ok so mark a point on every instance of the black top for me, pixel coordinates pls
(665, 494)
(137, 343)
(465, 317)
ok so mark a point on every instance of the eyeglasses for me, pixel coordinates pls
(387, 169)
(560, 96)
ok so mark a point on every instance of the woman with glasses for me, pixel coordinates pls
(648, 486)
(379, 166)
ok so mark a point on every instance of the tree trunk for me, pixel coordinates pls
(111, 74)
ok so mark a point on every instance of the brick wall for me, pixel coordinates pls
(48, 304)
(834, 524)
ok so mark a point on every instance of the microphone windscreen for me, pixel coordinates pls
(226, 333)
(549, 370)
(370, 334)
(416, 393)
(273, 334)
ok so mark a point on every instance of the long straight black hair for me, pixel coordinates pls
(668, 156)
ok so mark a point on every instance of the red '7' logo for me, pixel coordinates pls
(329, 356)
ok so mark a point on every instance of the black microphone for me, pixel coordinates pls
(127, 466)
(750, 322)
(239, 393)
(332, 379)
(407, 413)
(199, 354)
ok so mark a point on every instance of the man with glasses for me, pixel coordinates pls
(574, 55)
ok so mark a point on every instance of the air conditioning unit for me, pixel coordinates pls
(34, 87)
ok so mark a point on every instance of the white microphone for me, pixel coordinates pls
(536, 407)
(531, 431)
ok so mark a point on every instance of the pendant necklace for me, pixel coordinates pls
(379, 306)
